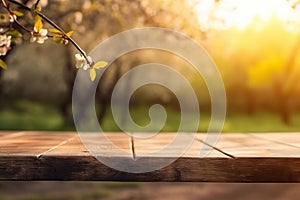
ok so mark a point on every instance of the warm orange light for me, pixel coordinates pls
(240, 13)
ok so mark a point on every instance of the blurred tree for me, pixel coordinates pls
(96, 20)
(116, 16)
(264, 56)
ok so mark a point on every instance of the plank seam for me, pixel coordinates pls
(132, 148)
(55, 147)
(217, 149)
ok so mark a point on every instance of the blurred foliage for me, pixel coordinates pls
(93, 21)
(259, 63)
(30, 116)
(26, 115)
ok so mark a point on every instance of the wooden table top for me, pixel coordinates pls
(249, 157)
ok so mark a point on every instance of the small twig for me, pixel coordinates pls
(36, 4)
(69, 38)
(11, 13)
(4, 3)
(21, 26)
(19, 4)
(53, 24)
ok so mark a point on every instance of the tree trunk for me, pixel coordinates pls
(250, 104)
(70, 78)
(104, 94)
(283, 107)
(0, 82)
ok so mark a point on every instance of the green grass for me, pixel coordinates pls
(260, 122)
(140, 116)
(25, 115)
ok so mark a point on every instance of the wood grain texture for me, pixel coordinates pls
(61, 156)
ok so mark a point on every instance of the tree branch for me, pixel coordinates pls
(53, 24)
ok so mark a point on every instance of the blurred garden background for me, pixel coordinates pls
(254, 43)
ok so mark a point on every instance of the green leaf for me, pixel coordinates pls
(38, 9)
(70, 33)
(55, 31)
(38, 24)
(93, 74)
(3, 64)
(15, 34)
(58, 39)
(100, 65)
(18, 13)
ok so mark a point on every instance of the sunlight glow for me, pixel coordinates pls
(240, 13)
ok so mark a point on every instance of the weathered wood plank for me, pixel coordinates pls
(289, 139)
(246, 145)
(75, 146)
(62, 156)
(108, 144)
(82, 168)
(10, 134)
(30, 143)
(72, 147)
(145, 146)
